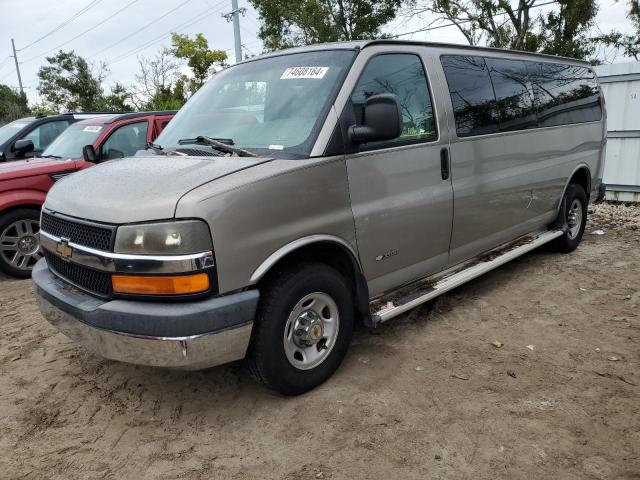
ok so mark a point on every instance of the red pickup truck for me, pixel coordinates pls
(24, 183)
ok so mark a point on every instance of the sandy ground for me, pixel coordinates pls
(426, 396)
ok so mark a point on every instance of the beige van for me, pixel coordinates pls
(305, 190)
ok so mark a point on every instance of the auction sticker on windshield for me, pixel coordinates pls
(304, 72)
(92, 128)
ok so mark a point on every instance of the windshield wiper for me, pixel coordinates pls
(222, 144)
(50, 156)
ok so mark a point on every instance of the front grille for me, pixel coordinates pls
(86, 234)
(88, 279)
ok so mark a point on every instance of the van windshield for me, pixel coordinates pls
(275, 104)
(70, 142)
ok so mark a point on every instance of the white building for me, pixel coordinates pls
(621, 87)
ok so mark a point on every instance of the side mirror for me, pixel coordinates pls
(23, 146)
(381, 120)
(89, 153)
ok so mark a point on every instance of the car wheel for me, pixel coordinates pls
(19, 242)
(303, 328)
(574, 219)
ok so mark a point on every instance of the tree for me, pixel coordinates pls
(118, 100)
(160, 86)
(287, 23)
(200, 59)
(69, 83)
(629, 44)
(564, 30)
(569, 29)
(13, 105)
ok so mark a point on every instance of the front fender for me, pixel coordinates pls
(17, 198)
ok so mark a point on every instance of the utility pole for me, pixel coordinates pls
(15, 58)
(234, 16)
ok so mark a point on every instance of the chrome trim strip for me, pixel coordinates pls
(129, 263)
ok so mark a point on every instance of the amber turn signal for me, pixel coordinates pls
(173, 285)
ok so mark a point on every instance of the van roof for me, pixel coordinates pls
(361, 44)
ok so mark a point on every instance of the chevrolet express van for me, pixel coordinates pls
(304, 190)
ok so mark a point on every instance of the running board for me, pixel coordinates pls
(393, 304)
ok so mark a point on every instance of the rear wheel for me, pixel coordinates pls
(19, 242)
(303, 328)
(573, 216)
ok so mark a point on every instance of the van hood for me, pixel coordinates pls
(33, 166)
(139, 189)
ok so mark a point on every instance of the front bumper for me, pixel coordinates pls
(190, 335)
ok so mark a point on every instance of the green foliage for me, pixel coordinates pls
(68, 83)
(160, 86)
(287, 23)
(200, 59)
(628, 44)
(565, 30)
(13, 105)
(117, 101)
(568, 29)
(170, 98)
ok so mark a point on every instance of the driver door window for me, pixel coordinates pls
(46, 133)
(403, 76)
(125, 141)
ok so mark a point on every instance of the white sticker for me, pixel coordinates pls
(19, 125)
(276, 147)
(92, 128)
(304, 72)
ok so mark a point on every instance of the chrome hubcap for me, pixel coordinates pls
(19, 244)
(311, 330)
(574, 218)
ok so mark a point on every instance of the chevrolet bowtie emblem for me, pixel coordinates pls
(64, 249)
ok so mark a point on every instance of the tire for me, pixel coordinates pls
(573, 218)
(288, 301)
(19, 243)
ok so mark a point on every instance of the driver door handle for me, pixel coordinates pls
(444, 163)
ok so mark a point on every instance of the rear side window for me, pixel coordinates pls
(565, 94)
(403, 76)
(472, 96)
(514, 94)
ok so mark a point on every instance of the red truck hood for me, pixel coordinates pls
(34, 166)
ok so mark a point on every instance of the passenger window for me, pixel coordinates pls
(46, 133)
(125, 141)
(472, 96)
(565, 94)
(514, 94)
(403, 76)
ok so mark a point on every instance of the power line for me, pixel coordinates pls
(138, 30)
(427, 29)
(193, 20)
(100, 23)
(63, 24)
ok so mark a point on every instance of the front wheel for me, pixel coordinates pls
(303, 328)
(19, 242)
(574, 219)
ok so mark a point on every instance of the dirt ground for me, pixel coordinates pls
(425, 396)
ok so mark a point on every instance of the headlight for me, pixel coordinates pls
(166, 238)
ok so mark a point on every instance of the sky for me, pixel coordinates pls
(118, 32)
